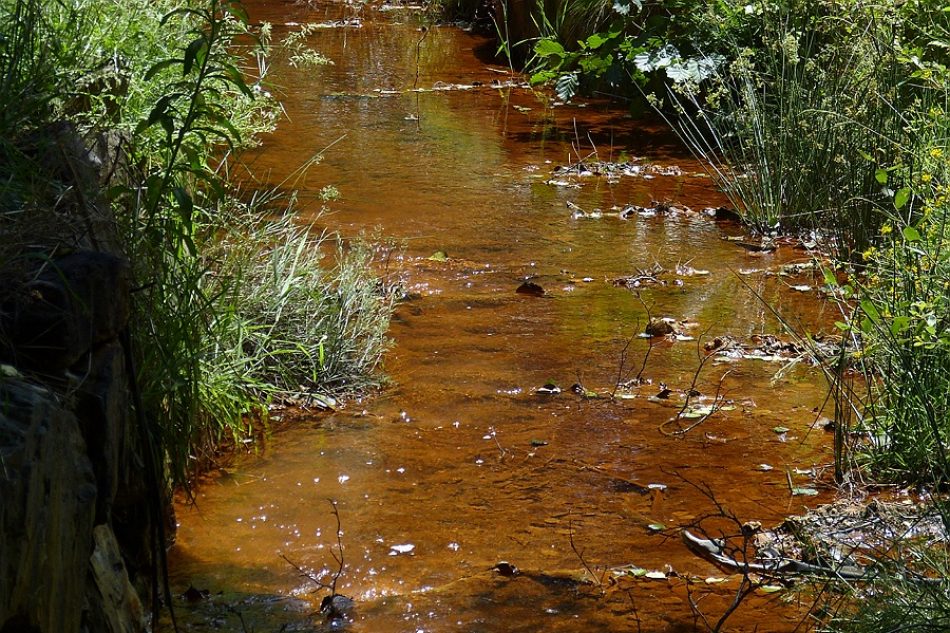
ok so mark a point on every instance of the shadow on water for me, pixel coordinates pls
(460, 464)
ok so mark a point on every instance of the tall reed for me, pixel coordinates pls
(792, 131)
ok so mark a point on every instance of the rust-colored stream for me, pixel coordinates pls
(459, 457)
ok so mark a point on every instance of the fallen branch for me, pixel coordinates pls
(715, 549)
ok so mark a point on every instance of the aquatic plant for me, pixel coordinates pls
(630, 48)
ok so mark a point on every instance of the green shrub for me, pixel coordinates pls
(902, 328)
(790, 129)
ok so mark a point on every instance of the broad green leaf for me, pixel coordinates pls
(160, 66)
(191, 54)
(829, 275)
(161, 106)
(542, 77)
(911, 234)
(870, 310)
(596, 41)
(899, 324)
(185, 204)
(167, 123)
(546, 48)
(881, 176)
(237, 10)
(237, 79)
(901, 198)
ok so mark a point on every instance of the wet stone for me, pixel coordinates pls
(531, 289)
(658, 327)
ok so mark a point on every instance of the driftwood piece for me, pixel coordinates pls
(715, 550)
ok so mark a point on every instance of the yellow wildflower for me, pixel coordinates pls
(886, 229)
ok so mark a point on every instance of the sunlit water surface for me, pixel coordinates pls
(459, 464)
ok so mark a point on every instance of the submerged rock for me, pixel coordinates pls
(659, 327)
(506, 569)
(531, 289)
(75, 303)
(337, 607)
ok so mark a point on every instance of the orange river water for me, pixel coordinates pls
(459, 457)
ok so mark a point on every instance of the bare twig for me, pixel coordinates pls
(747, 584)
(718, 398)
(580, 555)
(646, 357)
(415, 81)
(240, 617)
(703, 358)
(694, 606)
(715, 407)
(622, 365)
(746, 587)
(339, 544)
(305, 574)
(494, 435)
(331, 587)
(636, 612)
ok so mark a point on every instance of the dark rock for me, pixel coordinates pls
(114, 601)
(658, 327)
(69, 209)
(74, 303)
(48, 494)
(102, 406)
(337, 607)
(531, 289)
(506, 569)
(723, 213)
(193, 594)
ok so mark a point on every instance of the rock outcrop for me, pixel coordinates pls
(75, 517)
(68, 455)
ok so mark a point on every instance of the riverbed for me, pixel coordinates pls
(470, 456)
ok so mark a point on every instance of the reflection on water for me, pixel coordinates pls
(460, 464)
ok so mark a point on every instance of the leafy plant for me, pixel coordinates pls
(231, 311)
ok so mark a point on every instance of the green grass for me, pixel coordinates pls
(793, 131)
(232, 312)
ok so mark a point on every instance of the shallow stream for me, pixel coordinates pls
(459, 464)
